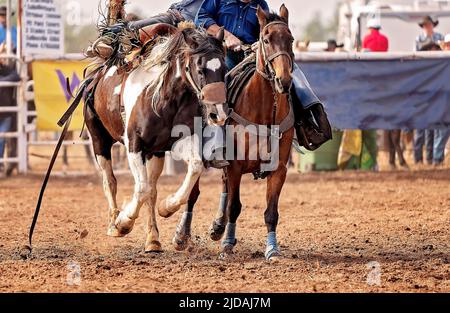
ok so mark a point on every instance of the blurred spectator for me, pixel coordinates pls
(375, 41)
(428, 36)
(3, 31)
(332, 45)
(301, 46)
(433, 139)
(441, 135)
(7, 95)
(8, 119)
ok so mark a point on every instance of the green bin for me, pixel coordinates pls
(324, 158)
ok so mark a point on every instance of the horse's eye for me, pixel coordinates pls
(266, 41)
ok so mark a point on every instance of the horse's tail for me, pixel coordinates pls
(116, 11)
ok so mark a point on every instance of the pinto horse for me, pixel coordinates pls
(264, 101)
(181, 78)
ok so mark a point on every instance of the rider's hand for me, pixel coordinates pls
(232, 42)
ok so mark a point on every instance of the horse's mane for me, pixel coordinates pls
(273, 17)
(169, 48)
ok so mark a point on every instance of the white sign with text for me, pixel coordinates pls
(43, 28)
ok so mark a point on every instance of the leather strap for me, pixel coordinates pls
(264, 130)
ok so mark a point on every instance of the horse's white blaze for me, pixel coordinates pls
(221, 112)
(214, 64)
(111, 72)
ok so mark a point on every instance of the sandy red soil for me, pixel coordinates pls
(331, 226)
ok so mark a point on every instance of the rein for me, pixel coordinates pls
(64, 121)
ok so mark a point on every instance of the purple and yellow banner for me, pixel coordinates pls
(51, 96)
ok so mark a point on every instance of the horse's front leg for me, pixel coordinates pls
(220, 221)
(172, 203)
(127, 217)
(155, 167)
(183, 232)
(275, 184)
(186, 149)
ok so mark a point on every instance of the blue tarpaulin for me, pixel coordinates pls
(383, 94)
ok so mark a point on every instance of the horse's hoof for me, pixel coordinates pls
(228, 249)
(273, 255)
(124, 224)
(164, 211)
(216, 232)
(180, 243)
(153, 247)
(113, 232)
(25, 252)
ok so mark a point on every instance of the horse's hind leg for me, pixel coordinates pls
(183, 232)
(155, 167)
(275, 183)
(218, 227)
(127, 217)
(102, 143)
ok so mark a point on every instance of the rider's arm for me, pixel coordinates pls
(206, 18)
(207, 13)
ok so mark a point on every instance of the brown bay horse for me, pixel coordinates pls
(180, 79)
(263, 104)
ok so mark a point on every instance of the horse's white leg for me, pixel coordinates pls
(126, 219)
(154, 169)
(110, 190)
(190, 153)
(172, 203)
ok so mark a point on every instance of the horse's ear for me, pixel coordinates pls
(262, 17)
(188, 39)
(284, 13)
(221, 34)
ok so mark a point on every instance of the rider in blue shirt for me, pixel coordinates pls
(239, 19)
(3, 28)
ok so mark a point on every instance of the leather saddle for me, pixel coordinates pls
(312, 126)
(239, 77)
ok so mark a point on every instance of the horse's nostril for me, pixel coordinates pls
(213, 116)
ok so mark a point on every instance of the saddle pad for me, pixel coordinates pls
(239, 77)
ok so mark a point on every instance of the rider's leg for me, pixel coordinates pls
(103, 46)
(312, 125)
(214, 147)
(303, 89)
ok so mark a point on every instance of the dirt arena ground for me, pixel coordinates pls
(332, 225)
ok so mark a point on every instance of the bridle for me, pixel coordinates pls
(211, 94)
(269, 73)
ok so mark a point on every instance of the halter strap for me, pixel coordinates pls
(268, 59)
